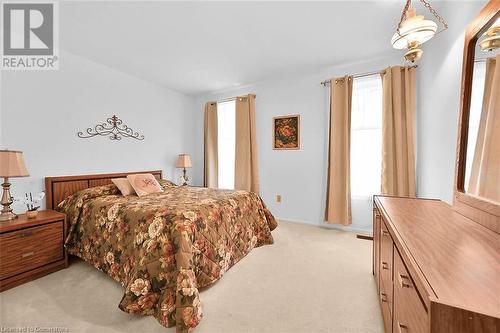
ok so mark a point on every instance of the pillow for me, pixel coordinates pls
(124, 186)
(165, 184)
(144, 183)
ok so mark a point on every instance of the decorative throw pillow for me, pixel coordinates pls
(144, 183)
(166, 184)
(124, 186)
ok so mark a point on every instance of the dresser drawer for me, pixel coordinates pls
(26, 249)
(386, 311)
(409, 314)
(386, 262)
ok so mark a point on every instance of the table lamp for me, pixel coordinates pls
(11, 165)
(184, 161)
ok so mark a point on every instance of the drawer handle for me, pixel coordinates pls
(402, 327)
(385, 233)
(402, 281)
(385, 265)
(27, 254)
(27, 234)
(383, 297)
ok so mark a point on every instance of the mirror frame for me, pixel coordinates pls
(480, 210)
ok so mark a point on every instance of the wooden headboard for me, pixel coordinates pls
(59, 188)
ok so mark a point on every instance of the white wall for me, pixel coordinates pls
(439, 102)
(298, 175)
(43, 110)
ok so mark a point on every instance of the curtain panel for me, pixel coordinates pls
(211, 146)
(398, 131)
(485, 171)
(338, 194)
(246, 163)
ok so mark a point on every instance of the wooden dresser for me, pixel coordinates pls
(31, 248)
(436, 270)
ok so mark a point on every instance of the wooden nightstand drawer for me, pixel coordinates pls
(29, 248)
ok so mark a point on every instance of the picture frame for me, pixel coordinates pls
(286, 132)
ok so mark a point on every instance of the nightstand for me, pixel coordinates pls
(31, 248)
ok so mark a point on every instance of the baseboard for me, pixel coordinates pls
(365, 237)
(329, 226)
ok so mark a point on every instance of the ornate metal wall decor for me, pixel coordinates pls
(114, 128)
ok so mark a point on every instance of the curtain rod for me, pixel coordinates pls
(327, 82)
(229, 99)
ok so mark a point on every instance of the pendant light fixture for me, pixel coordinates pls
(491, 38)
(414, 30)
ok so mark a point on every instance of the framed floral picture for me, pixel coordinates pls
(286, 132)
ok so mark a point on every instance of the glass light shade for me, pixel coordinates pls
(415, 29)
(490, 43)
(413, 54)
(491, 40)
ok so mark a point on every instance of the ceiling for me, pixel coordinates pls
(197, 47)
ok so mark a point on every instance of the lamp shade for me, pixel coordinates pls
(414, 30)
(183, 161)
(12, 164)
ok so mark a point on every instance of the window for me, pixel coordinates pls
(226, 135)
(366, 136)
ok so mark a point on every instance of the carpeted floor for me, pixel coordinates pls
(311, 280)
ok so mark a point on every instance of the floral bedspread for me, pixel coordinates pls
(164, 246)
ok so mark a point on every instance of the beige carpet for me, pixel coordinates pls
(311, 280)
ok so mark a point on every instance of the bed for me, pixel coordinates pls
(162, 247)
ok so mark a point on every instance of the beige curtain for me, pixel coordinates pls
(485, 172)
(211, 146)
(246, 164)
(338, 194)
(398, 131)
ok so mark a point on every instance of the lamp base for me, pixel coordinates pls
(185, 179)
(7, 216)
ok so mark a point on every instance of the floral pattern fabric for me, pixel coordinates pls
(164, 246)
